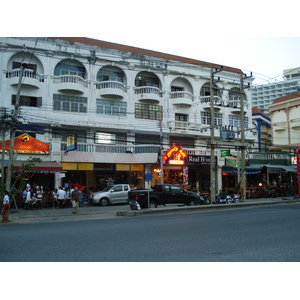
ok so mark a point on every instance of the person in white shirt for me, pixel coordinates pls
(61, 197)
(5, 208)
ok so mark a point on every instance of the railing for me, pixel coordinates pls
(27, 73)
(182, 125)
(111, 85)
(218, 101)
(268, 156)
(181, 94)
(70, 79)
(148, 90)
(129, 149)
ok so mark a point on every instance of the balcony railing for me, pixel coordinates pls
(181, 98)
(70, 82)
(29, 77)
(113, 88)
(148, 93)
(111, 85)
(70, 79)
(182, 125)
(122, 149)
(218, 101)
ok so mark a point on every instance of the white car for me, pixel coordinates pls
(114, 194)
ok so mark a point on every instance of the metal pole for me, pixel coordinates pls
(161, 155)
(212, 146)
(13, 131)
(243, 156)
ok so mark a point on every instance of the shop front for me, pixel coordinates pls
(189, 171)
(96, 176)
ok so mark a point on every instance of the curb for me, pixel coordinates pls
(199, 208)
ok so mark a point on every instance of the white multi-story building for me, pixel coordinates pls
(124, 104)
(264, 95)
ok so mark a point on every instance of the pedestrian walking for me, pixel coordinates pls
(75, 200)
(5, 208)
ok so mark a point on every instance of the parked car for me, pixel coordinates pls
(162, 194)
(114, 194)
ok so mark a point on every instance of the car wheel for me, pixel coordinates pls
(152, 204)
(104, 202)
(192, 203)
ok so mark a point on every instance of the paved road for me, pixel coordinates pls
(262, 233)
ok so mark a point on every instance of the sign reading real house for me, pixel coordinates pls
(200, 160)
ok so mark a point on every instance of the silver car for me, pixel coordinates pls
(114, 194)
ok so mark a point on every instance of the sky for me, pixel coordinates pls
(259, 36)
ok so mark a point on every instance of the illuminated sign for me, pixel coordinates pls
(175, 156)
(225, 152)
(71, 143)
(27, 144)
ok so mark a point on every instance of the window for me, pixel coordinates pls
(146, 79)
(235, 121)
(17, 65)
(148, 111)
(105, 138)
(27, 101)
(206, 118)
(69, 103)
(111, 108)
(65, 69)
(181, 117)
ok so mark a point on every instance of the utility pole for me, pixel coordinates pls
(14, 127)
(212, 137)
(213, 184)
(161, 155)
(243, 147)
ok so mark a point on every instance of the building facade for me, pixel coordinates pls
(120, 109)
(264, 95)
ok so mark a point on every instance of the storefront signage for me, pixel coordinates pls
(175, 156)
(225, 152)
(71, 142)
(200, 160)
(298, 168)
(27, 144)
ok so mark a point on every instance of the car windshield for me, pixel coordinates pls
(107, 189)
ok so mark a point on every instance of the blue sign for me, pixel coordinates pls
(148, 177)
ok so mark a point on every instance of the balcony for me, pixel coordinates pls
(128, 154)
(70, 83)
(205, 101)
(295, 123)
(181, 98)
(113, 89)
(278, 126)
(148, 94)
(235, 105)
(30, 78)
(181, 125)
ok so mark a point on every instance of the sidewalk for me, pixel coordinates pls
(99, 212)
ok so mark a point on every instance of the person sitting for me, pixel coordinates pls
(39, 196)
(61, 197)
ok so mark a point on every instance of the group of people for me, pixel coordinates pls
(32, 196)
(61, 196)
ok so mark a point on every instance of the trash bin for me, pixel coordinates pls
(134, 205)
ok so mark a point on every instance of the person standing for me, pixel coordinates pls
(5, 208)
(75, 195)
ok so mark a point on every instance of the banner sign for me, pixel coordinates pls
(27, 144)
(200, 160)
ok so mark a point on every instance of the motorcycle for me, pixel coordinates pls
(224, 199)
